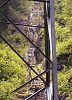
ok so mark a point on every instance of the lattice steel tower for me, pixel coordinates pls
(50, 87)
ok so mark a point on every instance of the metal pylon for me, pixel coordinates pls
(50, 42)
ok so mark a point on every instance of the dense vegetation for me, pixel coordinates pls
(12, 69)
(63, 19)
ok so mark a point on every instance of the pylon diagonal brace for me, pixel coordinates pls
(32, 80)
(21, 57)
(26, 37)
(35, 93)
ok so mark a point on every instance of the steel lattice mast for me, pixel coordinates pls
(50, 41)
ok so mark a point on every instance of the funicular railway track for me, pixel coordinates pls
(41, 83)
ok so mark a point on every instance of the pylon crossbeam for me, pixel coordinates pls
(23, 24)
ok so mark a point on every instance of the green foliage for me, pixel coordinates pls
(11, 72)
(65, 87)
(63, 22)
(63, 26)
(64, 47)
(5, 90)
(18, 8)
(17, 40)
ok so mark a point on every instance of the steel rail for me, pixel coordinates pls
(21, 58)
(26, 37)
(22, 24)
(32, 80)
(35, 93)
